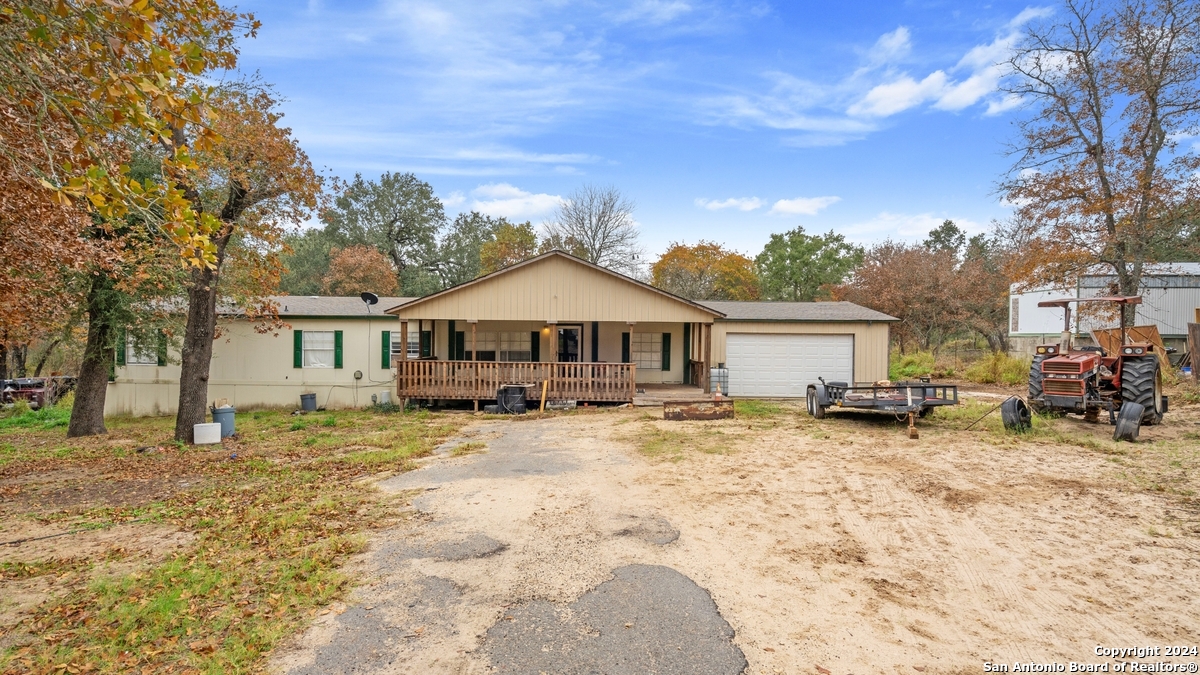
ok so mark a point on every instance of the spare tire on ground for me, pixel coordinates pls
(1129, 421)
(1016, 415)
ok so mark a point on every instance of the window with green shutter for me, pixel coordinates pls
(337, 349)
(297, 349)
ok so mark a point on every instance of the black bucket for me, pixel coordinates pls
(308, 402)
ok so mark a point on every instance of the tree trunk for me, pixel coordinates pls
(3, 362)
(87, 415)
(20, 353)
(197, 352)
(37, 372)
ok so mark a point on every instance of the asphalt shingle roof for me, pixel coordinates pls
(795, 311)
(306, 305)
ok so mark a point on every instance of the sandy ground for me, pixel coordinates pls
(838, 546)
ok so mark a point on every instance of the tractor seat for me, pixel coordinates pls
(1093, 348)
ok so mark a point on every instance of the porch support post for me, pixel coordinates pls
(401, 379)
(475, 367)
(707, 355)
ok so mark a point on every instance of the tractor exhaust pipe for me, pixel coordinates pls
(1064, 344)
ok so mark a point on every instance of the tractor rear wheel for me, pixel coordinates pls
(1141, 383)
(1035, 383)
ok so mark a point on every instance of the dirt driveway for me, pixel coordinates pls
(615, 542)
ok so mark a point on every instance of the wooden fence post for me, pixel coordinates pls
(1194, 348)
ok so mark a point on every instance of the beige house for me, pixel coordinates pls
(595, 335)
(589, 333)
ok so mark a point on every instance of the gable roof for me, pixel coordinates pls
(556, 286)
(796, 311)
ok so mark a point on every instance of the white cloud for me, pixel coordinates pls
(503, 199)
(739, 203)
(453, 199)
(655, 12)
(890, 47)
(803, 206)
(902, 94)
(904, 226)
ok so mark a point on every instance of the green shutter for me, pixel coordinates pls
(450, 341)
(426, 343)
(460, 346)
(121, 338)
(595, 341)
(385, 354)
(162, 348)
(624, 347)
(337, 349)
(666, 352)
(687, 353)
(535, 346)
(297, 349)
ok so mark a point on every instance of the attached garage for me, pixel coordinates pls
(776, 349)
(782, 365)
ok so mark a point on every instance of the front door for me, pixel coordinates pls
(569, 339)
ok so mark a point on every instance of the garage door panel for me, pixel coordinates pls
(783, 365)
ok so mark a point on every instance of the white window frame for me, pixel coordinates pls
(645, 350)
(135, 355)
(515, 346)
(414, 344)
(313, 350)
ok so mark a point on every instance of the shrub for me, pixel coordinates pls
(909, 366)
(998, 367)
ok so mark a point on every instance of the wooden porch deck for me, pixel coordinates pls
(479, 380)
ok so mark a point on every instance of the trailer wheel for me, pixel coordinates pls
(1141, 383)
(814, 406)
(1035, 382)
(1129, 421)
(1016, 415)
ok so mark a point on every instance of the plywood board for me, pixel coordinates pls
(698, 410)
(1109, 340)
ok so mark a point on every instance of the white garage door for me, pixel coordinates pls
(778, 365)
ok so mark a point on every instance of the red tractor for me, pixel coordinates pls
(1087, 380)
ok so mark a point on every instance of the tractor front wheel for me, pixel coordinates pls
(1141, 383)
(1035, 383)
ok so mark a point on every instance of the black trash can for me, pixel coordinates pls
(308, 402)
(511, 398)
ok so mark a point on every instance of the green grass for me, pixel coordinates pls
(329, 421)
(754, 408)
(909, 366)
(472, 448)
(298, 425)
(998, 368)
(51, 417)
(270, 535)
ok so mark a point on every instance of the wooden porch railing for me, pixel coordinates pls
(470, 380)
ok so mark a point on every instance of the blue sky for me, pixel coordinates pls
(725, 121)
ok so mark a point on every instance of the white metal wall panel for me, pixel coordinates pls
(780, 365)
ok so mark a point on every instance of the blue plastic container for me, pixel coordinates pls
(224, 417)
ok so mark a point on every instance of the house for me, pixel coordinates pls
(596, 335)
(1170, 296)
(589, 333)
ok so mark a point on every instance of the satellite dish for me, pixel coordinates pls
(370, 299)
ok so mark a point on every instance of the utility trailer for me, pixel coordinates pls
(902, 399)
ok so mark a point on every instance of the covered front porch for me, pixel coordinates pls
(583, 332)
(602, 362)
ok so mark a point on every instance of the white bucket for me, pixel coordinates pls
(385, 397)
(207, 434)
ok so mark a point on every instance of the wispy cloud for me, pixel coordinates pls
(502, 199)
(803, 206)
(903, 226)
(838, 111)
(655, 12)
(739, 203)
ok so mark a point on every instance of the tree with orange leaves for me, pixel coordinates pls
(258, 184)
(706, 271)
(1102, 179)
(356, 269)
